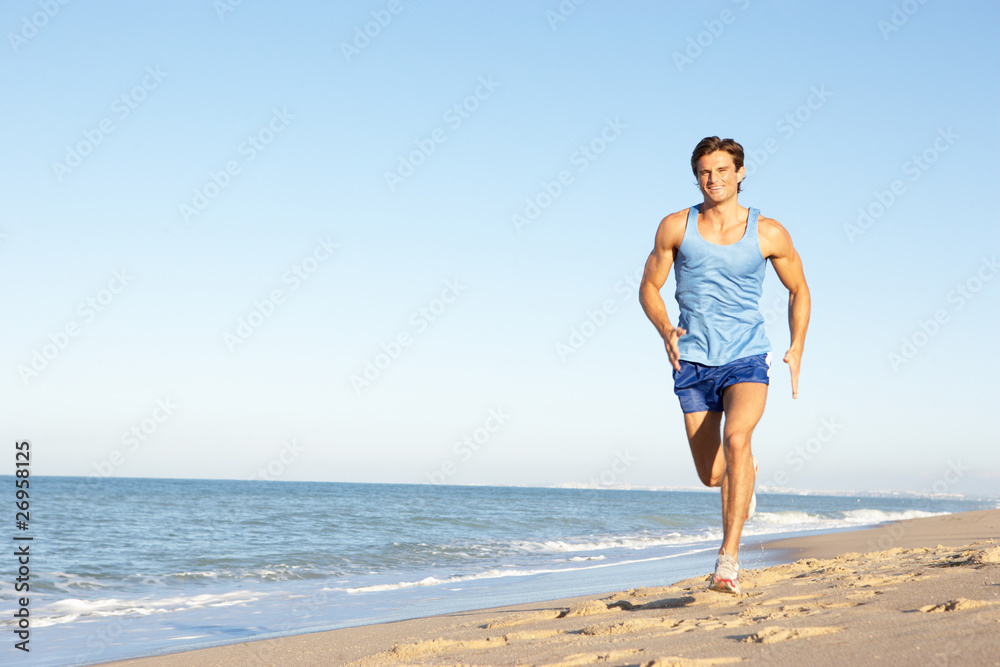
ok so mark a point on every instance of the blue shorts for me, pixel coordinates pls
(700, 387)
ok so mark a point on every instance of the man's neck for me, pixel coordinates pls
(722, 214)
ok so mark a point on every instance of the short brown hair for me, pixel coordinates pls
(712, 144)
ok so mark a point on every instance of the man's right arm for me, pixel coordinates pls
(668, 239)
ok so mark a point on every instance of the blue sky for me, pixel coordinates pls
(203, 252)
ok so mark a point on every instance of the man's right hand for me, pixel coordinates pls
(670, 342)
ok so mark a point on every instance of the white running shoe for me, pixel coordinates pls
(727, 575)
(753, 496)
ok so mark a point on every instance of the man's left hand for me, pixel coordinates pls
(794, 358)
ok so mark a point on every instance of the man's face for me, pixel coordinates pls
(718, 177)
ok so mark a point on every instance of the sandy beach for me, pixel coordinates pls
(924, 591)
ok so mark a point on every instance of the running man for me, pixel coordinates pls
(719, 351)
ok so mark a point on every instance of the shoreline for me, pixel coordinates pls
(949, 530)
(840, 598)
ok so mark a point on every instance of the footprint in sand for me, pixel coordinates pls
(991, 555)
(520, 619)
(579, 659)
(433, 646)
(863, 595)
(629, 626)
(647, 592)
(758, 614)
(663, 626)
(690, 662)
(985, 556)
(773, 634)
(527, 635)
(670, 603)
(956, 605)
(588, 608)
(786, 600)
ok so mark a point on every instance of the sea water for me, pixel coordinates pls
(127, 567)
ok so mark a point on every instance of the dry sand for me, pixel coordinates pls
(931, 596)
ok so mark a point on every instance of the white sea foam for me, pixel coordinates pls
(855, 517)
(788, 517)
(763, 523)
(72, 609)
(633, 542)
(496, 574)
(784, 521)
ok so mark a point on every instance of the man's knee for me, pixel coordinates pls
(737, 443)
(709, 476)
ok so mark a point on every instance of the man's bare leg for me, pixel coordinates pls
(743, 404)
(705, 438)
(717, 454)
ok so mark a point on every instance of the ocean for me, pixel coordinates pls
(128, 567)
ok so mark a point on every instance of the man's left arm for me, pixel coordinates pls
(776, 245)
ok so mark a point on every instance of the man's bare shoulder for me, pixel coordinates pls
(671, 230)
(774, 238)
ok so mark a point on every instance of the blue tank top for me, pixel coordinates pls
(718, 290)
